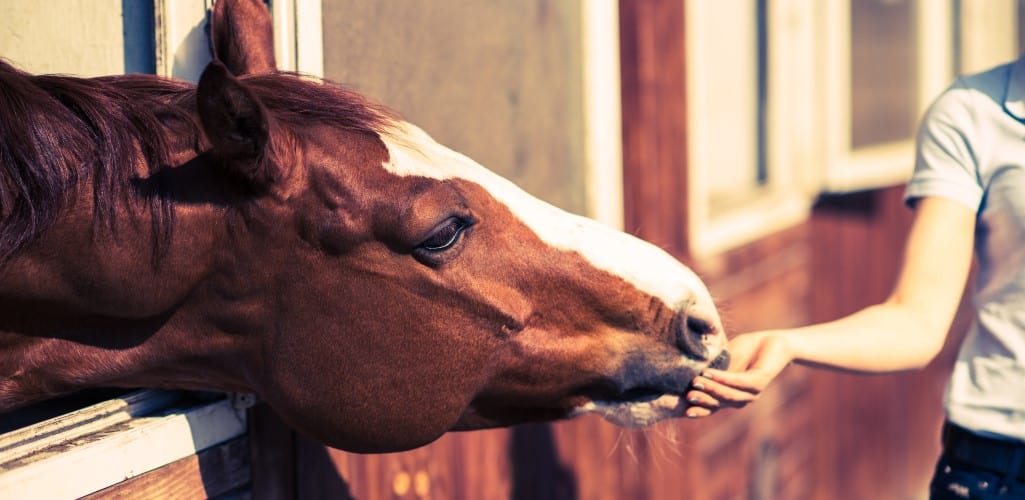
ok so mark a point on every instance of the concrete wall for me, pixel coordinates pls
(84, 37)
(499, 81)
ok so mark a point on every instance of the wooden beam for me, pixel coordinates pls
(652, 63)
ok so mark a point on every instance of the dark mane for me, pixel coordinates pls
(298, 101)
(57, 132)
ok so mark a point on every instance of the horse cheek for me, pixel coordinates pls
(373, 366)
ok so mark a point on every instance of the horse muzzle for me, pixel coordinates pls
(699, 337)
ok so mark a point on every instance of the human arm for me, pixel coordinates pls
(906, 331)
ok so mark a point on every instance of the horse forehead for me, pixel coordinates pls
(413, 153)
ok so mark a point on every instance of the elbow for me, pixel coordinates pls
(925, 326)
(929, 348)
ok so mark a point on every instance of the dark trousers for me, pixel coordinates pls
(977, 467)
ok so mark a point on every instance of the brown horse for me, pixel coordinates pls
(280, 235)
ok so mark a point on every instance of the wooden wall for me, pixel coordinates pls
(879, 435)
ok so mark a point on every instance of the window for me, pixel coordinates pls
(885, 61)
(749, 74)
(884, 76)
(787, 99)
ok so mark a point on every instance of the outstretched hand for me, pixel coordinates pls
(756, 359)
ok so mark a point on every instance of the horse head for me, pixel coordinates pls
(407, 291)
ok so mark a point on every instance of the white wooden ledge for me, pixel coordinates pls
(90, 449)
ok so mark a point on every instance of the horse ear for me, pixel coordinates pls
(237, 125)
(242, 36)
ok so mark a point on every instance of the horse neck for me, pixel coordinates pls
(83, 306)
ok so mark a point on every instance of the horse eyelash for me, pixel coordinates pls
(458, 225)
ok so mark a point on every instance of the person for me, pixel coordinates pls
(968, 196)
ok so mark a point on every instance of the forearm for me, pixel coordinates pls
(878, 339)
(903, 333)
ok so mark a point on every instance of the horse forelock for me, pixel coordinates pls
(298, 101)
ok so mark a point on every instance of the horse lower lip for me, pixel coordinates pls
(637, 395)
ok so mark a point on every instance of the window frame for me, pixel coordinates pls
(848, 169)
(785, 198)
(807, 149)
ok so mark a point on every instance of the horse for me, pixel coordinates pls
(276, 234)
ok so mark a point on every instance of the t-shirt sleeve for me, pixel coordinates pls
(945, 159)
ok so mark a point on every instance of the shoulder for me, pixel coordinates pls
(958, 136)
(972, 96)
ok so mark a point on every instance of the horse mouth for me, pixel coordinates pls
(637, 407)
(634, 395)
(651, 389)
(645, 403)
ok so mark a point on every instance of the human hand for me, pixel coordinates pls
(755, 360)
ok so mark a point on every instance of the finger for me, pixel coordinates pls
(698, 398)
(726, 395)
(752, 381)
(697, 412)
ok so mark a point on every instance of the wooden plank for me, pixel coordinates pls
(85, 463)
(878, 436)
(654, 113)
(19, 443)
(210, 473)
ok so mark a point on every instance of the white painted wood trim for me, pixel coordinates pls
(989, 33)
(836, 104)
(182, 44)
(603, 139)
(761, 217)
(298, 36)
(309, 38)
(101, 445)
(879, 166)
(283, 15)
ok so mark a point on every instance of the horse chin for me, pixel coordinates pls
(640, 413)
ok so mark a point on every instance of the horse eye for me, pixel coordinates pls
(445, 236)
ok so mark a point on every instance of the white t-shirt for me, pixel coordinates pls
(971, 149)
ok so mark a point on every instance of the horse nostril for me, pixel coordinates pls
(699, 326)
(694, 336)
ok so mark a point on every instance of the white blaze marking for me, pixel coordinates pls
(649, 268)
